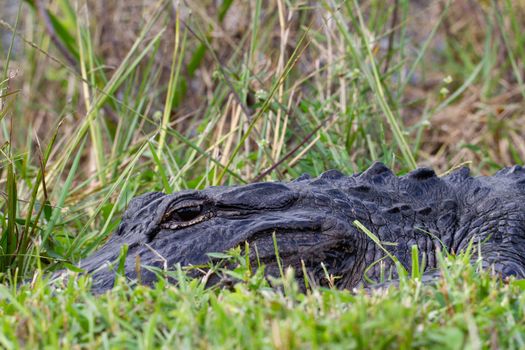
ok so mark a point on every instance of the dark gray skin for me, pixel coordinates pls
(313, 221)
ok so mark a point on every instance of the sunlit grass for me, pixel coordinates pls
(461, 310)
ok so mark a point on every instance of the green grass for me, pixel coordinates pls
(464, 309)
(100, 104)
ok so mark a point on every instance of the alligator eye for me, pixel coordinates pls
(187, 213)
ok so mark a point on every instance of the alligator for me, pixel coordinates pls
(317, 225)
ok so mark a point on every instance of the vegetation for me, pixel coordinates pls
(101, 101)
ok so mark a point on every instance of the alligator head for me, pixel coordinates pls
(312, 221)
(310, 226)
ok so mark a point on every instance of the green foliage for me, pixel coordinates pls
(465, 309)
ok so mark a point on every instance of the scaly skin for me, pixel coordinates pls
(313, 221)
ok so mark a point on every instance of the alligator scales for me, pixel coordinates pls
(312, 220)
